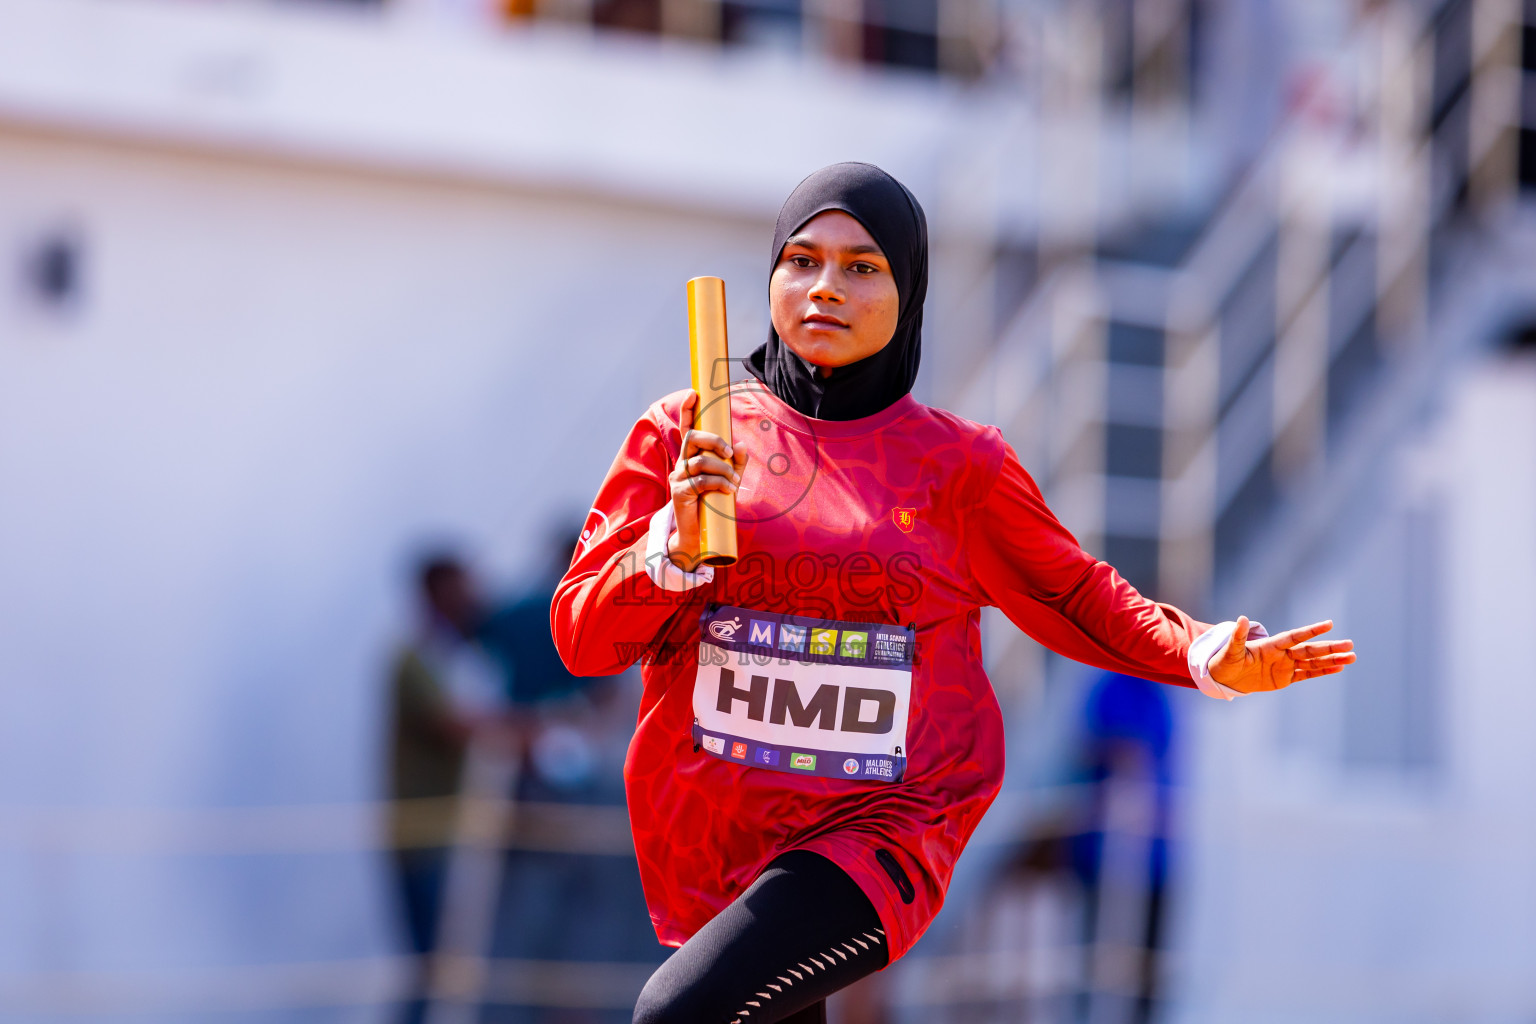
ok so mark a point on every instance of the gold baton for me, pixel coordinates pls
(708, 351)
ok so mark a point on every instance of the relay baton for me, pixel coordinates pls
(707, 350)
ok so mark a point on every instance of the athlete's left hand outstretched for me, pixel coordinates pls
(1275, 662)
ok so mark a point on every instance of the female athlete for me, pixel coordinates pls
(817, 739)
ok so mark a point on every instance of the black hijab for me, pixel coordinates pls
(891, 215)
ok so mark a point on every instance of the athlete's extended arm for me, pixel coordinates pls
(1031, 567)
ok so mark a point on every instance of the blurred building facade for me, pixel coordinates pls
(292, 285)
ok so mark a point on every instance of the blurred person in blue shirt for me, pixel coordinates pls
(1109, 834)
(1120, 856)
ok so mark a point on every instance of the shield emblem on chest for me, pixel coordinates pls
(904, 518)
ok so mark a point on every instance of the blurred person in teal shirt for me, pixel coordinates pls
(550, 704)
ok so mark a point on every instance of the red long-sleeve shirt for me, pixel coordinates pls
(911, 516)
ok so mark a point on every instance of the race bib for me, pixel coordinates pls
(804, 696)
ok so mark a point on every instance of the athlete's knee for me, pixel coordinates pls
(657, 1008)
(668, 999)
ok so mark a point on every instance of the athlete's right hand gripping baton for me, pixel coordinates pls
(707, 348)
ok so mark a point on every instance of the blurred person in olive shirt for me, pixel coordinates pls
(444, 689)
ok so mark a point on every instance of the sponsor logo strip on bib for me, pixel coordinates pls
(803, 696)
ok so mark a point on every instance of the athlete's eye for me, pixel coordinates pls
(802, 261)
(864, 268)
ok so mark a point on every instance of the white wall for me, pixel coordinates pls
(1337, 877)
(278, 381)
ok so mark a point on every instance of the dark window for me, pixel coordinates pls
(1133, 451)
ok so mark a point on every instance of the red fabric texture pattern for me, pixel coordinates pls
(911, 516)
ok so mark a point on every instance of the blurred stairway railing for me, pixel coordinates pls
(1179, 403)
(204, 834)
(1310, 276)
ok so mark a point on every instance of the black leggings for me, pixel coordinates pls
(800, 932)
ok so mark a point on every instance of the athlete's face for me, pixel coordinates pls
(832, 296)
